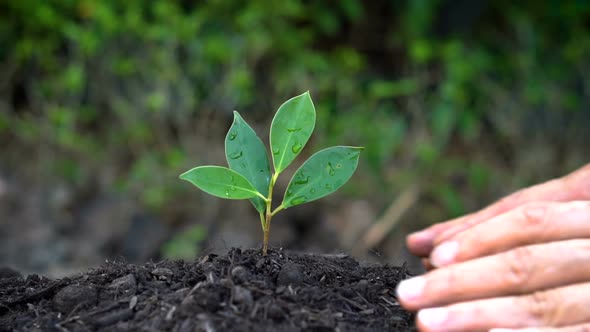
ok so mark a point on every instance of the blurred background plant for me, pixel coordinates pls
(104, 103)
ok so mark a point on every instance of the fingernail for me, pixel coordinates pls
(421, 242)
(444, 254)
(411, 289)
(421, 236)
(433, 318)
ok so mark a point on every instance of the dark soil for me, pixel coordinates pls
(242, 291)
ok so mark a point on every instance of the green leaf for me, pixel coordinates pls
(322, 174)
(290, 130)
(221, 182)
(246, 155)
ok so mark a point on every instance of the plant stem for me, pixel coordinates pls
(277, 210)
(261, 196)
(262, 222)
(265, 239)
(269, 214)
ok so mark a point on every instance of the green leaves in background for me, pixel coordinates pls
(221, 182)
(322, 174)
(185, 245)
(290, 130)
(246, 155)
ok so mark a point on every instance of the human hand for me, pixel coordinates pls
(575, 186)
(522, 262)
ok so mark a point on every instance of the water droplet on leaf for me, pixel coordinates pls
(232, 135)
(312, 190)
(236, 155)
(331, 170)
(302, 180)
(276, 151)
(299, 200)
(296, 148)
(339, 165)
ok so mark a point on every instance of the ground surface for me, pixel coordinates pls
(241, 291)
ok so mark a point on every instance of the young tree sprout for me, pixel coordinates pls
(249, 175)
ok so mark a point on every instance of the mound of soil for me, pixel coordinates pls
(241, 291)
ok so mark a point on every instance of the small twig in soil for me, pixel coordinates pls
(117, 316)
(389, 302)
(367, 312)
(133, 302)
(362, 298)
(70, 319)
(356, 305)
(254, 310)
(348, 312)
(73, 310)
(105, 309)
(197, 286)
(58, 326)
(386, 307)
(170, 313)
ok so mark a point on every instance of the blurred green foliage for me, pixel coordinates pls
(450, 94)
(186, 244)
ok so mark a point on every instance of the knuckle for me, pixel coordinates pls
(535, 214)
(519, 265)
(449, 278)
(542, 307)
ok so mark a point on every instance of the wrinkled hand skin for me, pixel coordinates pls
(520, 264)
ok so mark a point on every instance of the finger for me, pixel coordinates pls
(532, 223)
(518, 271)
(575, 186)
(420, 243)
(572, 328)
(558, 307)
